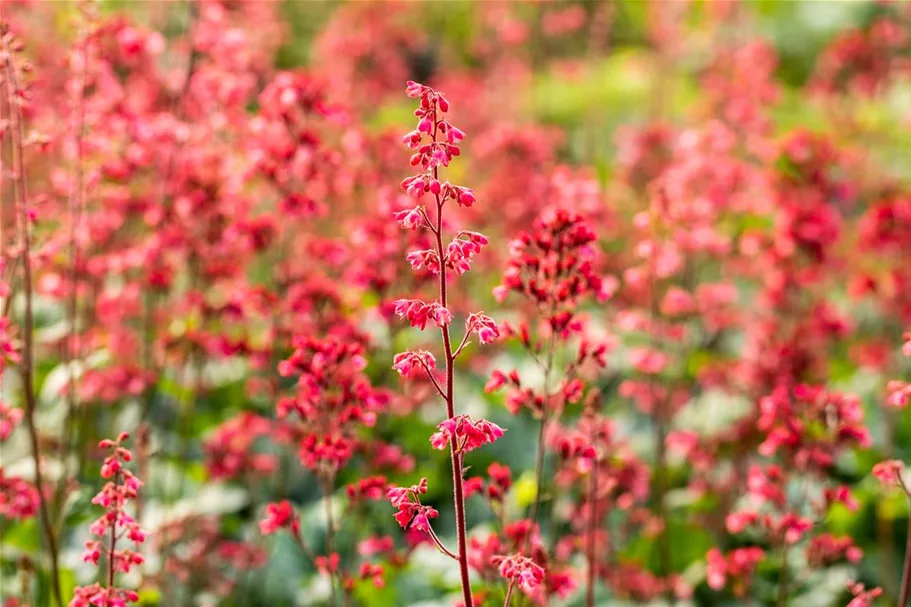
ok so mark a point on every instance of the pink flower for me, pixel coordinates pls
(398, 495)
(466, 433)
(327, 565)
(418, 313)
(406, 362)
(280, 515)
(483, 326)
(113, 498)
(415, 90)
(10, 418)
(716, 569)
(411, 513)
(899, 394)
(376, 545)
(677, 302)
(497, 380)
(862, 596)
(462, 249)
(737, 566)
(737, 522)
(889, 472)
(522, 570)
(374, 573)
(647, 360)
(410, 219)
(92, 553)
(425, 258)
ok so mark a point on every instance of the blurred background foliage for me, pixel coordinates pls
(588, 97)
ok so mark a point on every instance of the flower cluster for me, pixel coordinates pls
(206, 237)
(436, 142)
(418, 313)
(465, 434)
(411, 513)
(114, 525)
(520, 570)
(734, 569)
(333, 399)
(553, 266)
(280, 516)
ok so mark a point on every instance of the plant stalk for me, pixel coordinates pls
(458, 492)
(904, 595)
(21, 196)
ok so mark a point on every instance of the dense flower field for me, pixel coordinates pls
(551, 303)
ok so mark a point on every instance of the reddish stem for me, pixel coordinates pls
(111, 553)
(547, 368)
(904, 595)
(458, 492)
(512, 585)
(330, 539)
(590, 537)
(21, 197)
(75, 204)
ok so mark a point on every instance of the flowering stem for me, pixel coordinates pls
(590, 537)
(433, 379)
(330, 540)
(660, 426)
(439, 544)
(512, 585)
(303, 546)
(458, 493)
(111, 558)
(75, 204)
(542, 431)
(783, 581)
(19, 192)
(664, 553)
(462, 345)
(539, 470)
(904, 595)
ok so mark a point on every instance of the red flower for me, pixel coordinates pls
(521, 570)
(406, 362)
(411, 513)
(280, 515)
(418, 313)
(466, 434)
(484, 326)
(889, 472)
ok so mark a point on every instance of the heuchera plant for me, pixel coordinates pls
(201, 241)
(114, 528)
(435, 142)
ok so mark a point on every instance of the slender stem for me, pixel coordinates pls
(904, 595)
(590, 536)
(659, 414)
(304, 547)
(75, 204)
(25, 580)
(111, 553)
(458, 492)
(539, 470)
(330, 539)
(463, 343)
(664, 548)
(512, 585)
(439, 544)
(21, 196)
(547, 368)
(783, 581)
(432, 379)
